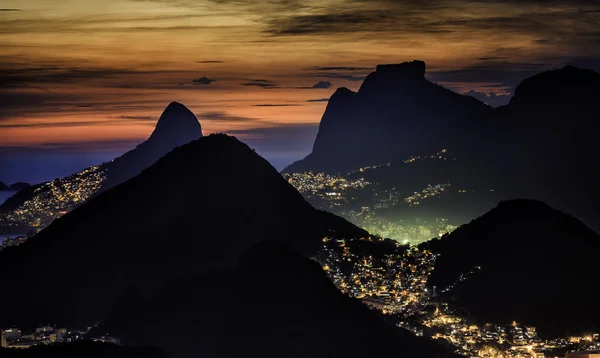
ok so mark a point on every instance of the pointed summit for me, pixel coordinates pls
(177, 125)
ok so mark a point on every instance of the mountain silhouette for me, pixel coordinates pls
(395, 114)
(176, 126)
(274, 303)
(3, 186)
(19, 186)
(522, 261)
(546, 134)
(80, 349)
(198, 208)
(541, 145)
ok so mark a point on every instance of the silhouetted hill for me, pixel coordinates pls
(273, 304)
(547, 135)
(541, 145)
(395, 114)
(19, 186)
(537, 266)
(200, 207)
(87, 349)
(176, 126)
(3, 186)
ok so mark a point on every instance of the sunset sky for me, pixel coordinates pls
(82, 81)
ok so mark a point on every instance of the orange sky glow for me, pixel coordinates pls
(76, 71)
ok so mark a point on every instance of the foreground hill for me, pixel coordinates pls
(198, 208)
(274, 303)
(523, 261)
(547, 134)
(38, 205)
(81, 349)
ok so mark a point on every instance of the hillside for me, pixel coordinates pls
(198, 208)
(274, 303)
(522, 261)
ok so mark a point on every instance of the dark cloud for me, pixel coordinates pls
(222, 116)
(260, 83)
(490, 98)
(14, 75)
(276, 105)
(71, 124)
(211, 61)
(70, 147)
(318, 100)
(505, 73)
(140, 118)
(493, 58)
(322, 84)
(203, 81)
(337, 22)
(10, 10)
(337, 68)
(348, 77)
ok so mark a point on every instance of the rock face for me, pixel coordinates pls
(176, 126)
(395, 114)
(273, 303)
(198, 208)
(19, 186)
(522, 261)
(541, 145)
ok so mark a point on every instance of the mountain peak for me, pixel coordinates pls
(177, 123)
(414, 69)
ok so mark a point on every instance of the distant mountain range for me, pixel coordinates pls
(176, 126)
(540, 145)
(273, 303)
(211, 200)
(15, 187)
(522, 261)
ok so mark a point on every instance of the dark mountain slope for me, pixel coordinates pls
(200, 207)
(537, 266)
(3, 186)
(81, 349)
(273, 304)
(546, 140)
(395, 114)
(19, 186)
(176, 126)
